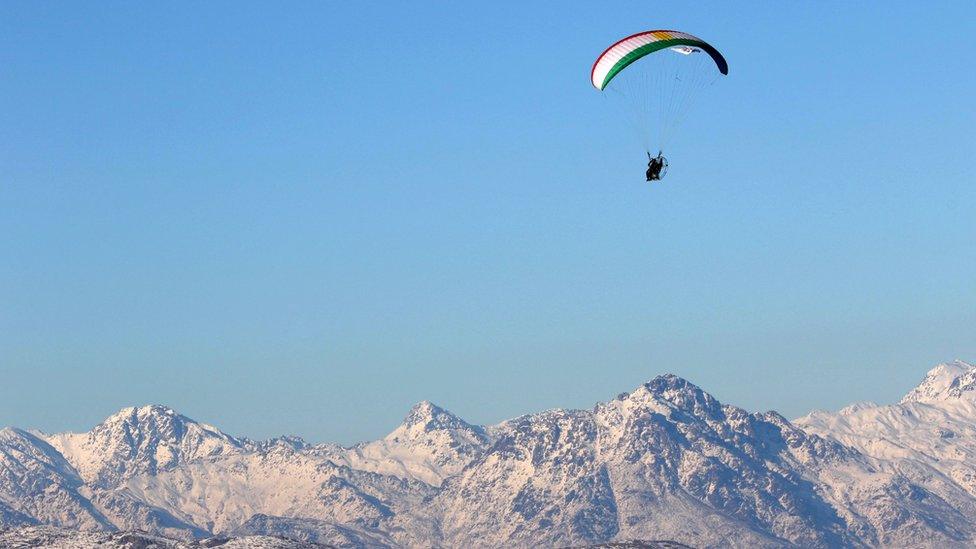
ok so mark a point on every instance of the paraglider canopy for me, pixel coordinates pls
(627, 50)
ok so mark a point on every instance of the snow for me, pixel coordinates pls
(931, 431)
(430, 445)
(939, 381)
(666, 461)
(60, 538)
(138, 441)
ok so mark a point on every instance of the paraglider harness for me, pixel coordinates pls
(656, 166)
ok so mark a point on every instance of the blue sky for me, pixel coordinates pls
(305, 218)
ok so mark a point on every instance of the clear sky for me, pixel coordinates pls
(304, 218)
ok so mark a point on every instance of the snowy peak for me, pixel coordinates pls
(143, 440)
(852, 409)
(292, 443)
(133, 415)
(38, 485)
(639, 462)
(676, 393)
(425, 417)
(678, 390)
(429, 427)
(427, 413)
(951, 380)
(430, 445)
(20, 447)
(153, 423)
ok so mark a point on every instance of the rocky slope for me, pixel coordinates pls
(62, 538)
(666, 461)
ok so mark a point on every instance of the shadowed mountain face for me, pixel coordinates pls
(666, 461)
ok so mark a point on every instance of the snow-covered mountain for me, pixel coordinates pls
(929, 437)
(430, 445)
(665, 461)
(140, 441)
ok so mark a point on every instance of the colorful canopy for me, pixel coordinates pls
(632, 48)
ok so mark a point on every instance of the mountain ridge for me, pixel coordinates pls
(666, 460)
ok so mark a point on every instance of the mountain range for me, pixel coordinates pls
(666, 461)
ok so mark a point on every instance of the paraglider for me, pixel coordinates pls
(658, 74)
(655, 165)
